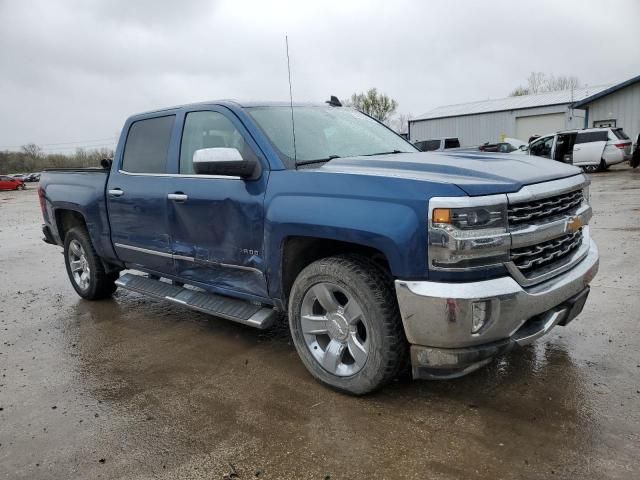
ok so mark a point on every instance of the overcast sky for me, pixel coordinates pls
(72, 71)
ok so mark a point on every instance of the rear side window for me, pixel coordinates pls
(587, 137)
(451, 143)
(147, 145)
(618, 132)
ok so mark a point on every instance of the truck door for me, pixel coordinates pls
(542, 147)
(217, 222)
(137, 197)
(589, 147)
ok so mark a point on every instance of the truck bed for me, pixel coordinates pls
(81, 191)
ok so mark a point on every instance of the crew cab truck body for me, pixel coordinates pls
(375, 251)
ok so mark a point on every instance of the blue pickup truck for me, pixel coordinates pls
(379, 255)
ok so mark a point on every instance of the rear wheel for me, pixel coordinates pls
(345, 324)
(85, 270)
(591, 168)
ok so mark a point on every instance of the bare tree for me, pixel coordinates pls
(519, 91)
(378, 105)
(538, 82)
(562, 82)
(31, 158)
(401, 123)
(32, 153)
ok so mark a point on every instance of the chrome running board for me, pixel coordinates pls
(241, 311)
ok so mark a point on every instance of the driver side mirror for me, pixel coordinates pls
(223, 161)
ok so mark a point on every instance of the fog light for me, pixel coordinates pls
(479, 315)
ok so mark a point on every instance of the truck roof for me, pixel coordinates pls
(231, 103)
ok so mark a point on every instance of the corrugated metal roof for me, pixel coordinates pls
(513, 103)
(607, 91)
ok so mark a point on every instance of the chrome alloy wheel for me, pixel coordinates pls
(79, 265)
(334, 329)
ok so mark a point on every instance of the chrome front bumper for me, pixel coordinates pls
(437, 316)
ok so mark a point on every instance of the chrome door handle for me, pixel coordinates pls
(116, 192)
(178, 197)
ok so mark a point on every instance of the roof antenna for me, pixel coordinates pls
(293, 123)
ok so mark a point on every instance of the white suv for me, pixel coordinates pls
(592, 149)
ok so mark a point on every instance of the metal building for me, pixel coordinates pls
(518, 117)
(617, 106)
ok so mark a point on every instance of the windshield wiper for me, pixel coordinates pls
(383, 153)
(318, 160)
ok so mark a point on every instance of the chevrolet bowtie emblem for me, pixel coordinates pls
(573, 224)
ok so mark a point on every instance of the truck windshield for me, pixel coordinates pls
(324, 133)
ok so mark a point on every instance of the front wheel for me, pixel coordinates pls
(346, 325)
(85, 270)
(601, 167)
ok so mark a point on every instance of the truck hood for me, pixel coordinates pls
(475, 173)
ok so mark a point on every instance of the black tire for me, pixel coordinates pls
(373, 290)
(591, 168)
(100, 283)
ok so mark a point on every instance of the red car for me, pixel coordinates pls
(10, 183)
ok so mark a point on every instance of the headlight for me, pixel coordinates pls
(470, 218)
(468, 232)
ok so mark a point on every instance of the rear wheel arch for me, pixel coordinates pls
(85, 268)
(67, 219)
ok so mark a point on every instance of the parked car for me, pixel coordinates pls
(32, 177)
(19, 176)
(379, 254)
(437, 144)
(592, 149)
(507, 146)
(11, 183)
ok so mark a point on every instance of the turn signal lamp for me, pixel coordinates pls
(441, 215)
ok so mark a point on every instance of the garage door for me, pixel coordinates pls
(539, 125)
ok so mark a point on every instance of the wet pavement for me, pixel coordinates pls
(136, 388)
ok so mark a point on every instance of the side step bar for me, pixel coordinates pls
(240, 311)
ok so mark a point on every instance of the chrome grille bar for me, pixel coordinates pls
(546, 252)
(544, 208)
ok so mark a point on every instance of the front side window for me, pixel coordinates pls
(147, 145)
(323, 133)
(542, 147)
(209, 130)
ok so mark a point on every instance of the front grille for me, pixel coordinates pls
(551, 253)
(545, 208)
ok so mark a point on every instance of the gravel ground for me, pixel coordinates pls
(135, 388)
